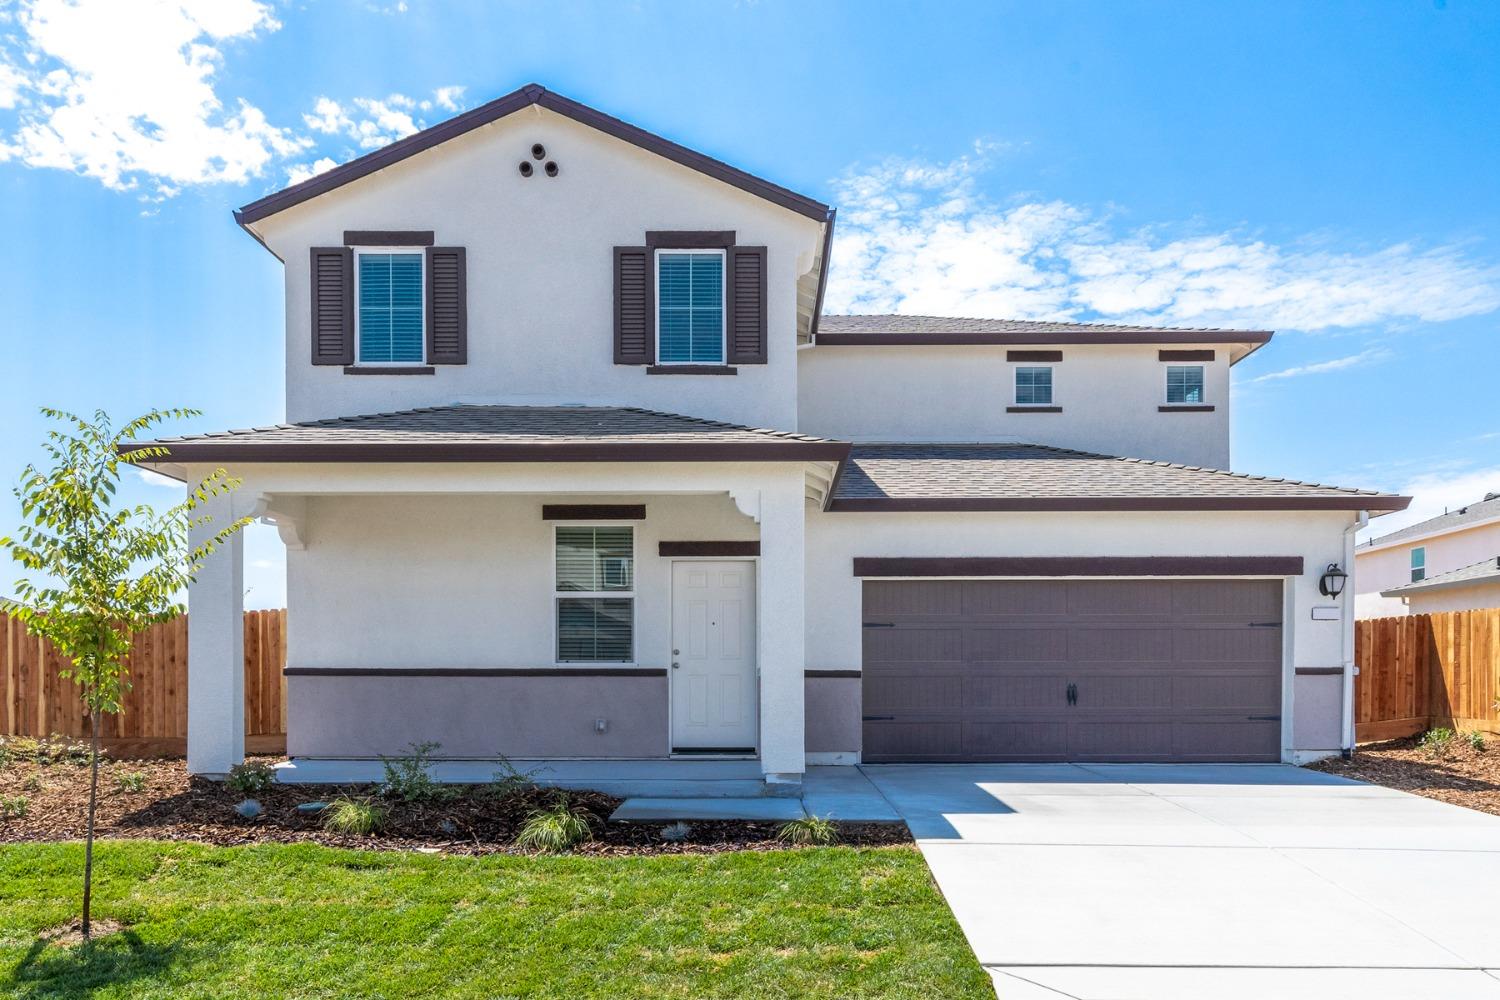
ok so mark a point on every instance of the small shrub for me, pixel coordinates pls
(554, 830)
(809, 830)
(354, 816)
(510, 780)
(1475, 739)
(250, 778)
(1437, 742)
(14, 806)
(409, 778)
(130, 782)
(53, 749)
(33, 783)
(676, 833)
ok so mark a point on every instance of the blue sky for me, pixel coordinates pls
(1326, 170)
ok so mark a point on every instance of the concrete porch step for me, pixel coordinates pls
(666, 810)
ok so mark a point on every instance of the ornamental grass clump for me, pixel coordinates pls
(354, 816)
(809, 831)
(555, 829)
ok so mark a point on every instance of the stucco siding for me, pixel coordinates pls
(1479, 595)
(833, 715)
(1383, 568)
(540, 278)
(1109, 397)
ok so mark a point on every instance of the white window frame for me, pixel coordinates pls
(559, 595)
(1015, 388)
(1166, 386)
(723, 301)
(404, 251)
(1418, 565)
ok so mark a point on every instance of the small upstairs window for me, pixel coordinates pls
(390, 309)
(1418, 563)
(1184, 384)
(1034, 386)
(690, 307)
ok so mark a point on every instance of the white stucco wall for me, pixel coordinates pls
(1479, 595)
(1109, 397)
(835, 594)
(540, 273)
(1389, 566)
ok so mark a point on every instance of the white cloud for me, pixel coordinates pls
(449, 98)
(150, 478)
(125, 92)
(299, 172)
(1433, 493)
(1370, 356)
(374, 122)
(328, 116)
(920, 237)
(384, 121)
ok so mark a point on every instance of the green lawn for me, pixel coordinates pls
(307, 921)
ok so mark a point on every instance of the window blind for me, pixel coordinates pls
(690, 307)
(390, 308)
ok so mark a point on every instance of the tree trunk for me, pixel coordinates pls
(88, 840)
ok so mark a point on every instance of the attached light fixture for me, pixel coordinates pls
(1331, 583)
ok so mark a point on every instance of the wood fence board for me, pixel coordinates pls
(1424, 670)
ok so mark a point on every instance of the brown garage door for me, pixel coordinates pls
(1085, 670)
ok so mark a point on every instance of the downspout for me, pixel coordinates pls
(1348, 637)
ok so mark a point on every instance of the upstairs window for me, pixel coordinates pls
(389, 309)
(1034, 386)
(1418, 563)
(1184, 384)
(595, 595)
(690, 307)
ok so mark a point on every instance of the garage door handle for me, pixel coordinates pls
(880, 624)
(1265, 624)
(878, 718)
(1263, 718)
(1072, 694)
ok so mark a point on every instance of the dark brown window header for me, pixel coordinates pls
(1044, 356)
(594, 512)
(831, 673)
(390, 370)
(690, 239)
(1184, 355)
(1033, 409)
(1080, 566)
(1184, 408)
(691, 370)
(389, 237)
(684, 549)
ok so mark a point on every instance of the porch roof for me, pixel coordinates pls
(492, 433)
(976, 477)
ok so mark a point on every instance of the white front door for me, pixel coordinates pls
(713, 657)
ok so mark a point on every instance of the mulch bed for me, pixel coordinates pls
(173, 806)
(1457, 773)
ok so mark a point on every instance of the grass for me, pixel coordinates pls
(301, 921)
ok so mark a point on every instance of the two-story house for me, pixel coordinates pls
(574, 467)
(1446, 563)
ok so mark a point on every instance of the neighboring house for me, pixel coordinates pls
(574, 467)
(1398, 573)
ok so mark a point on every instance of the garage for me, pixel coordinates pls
(1072, 670)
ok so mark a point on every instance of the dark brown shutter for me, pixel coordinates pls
(447, 307)
(746, 306)
(332, 283)
(635, 328)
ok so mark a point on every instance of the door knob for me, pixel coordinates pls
(675, 664)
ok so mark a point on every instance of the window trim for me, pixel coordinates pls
(1202, 399)
(1015, 387)
(559, 595)
(723, 254)
(405, 251)
(1417, 569)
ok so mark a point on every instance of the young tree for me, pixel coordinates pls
(102, 571)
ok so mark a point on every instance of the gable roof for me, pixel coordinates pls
(492, 433)
(1475, 513)
(956, 477)
(892, 330)
(1481, 572)
(531, 94)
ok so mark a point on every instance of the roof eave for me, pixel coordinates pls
(1257, 338)
(1386, 542)
(217, 452)
(1117, 503)
(531, 94)
(1425, 587)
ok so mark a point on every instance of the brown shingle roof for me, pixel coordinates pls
(1480, 572)
(1037, 477)
(888, 330)
(1479, 510)
(896, 323)
(501, 433)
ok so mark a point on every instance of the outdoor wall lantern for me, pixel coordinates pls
(1331, 583)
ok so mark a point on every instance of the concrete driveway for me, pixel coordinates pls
(1180, 882)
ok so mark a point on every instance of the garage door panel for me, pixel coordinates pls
(1004, 645)
(1161, 670)
(914, 645)
(1013, 598)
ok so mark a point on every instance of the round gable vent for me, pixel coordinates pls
(538, 151)
(525, 168)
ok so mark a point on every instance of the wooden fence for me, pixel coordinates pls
(34, 701)
(1427, 670)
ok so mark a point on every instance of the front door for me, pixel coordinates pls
(713, 657)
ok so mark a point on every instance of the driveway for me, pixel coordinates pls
(1180, 882)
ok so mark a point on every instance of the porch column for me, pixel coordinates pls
(216, 649)
(780, 630)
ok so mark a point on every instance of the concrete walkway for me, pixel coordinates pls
(1182, 882)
